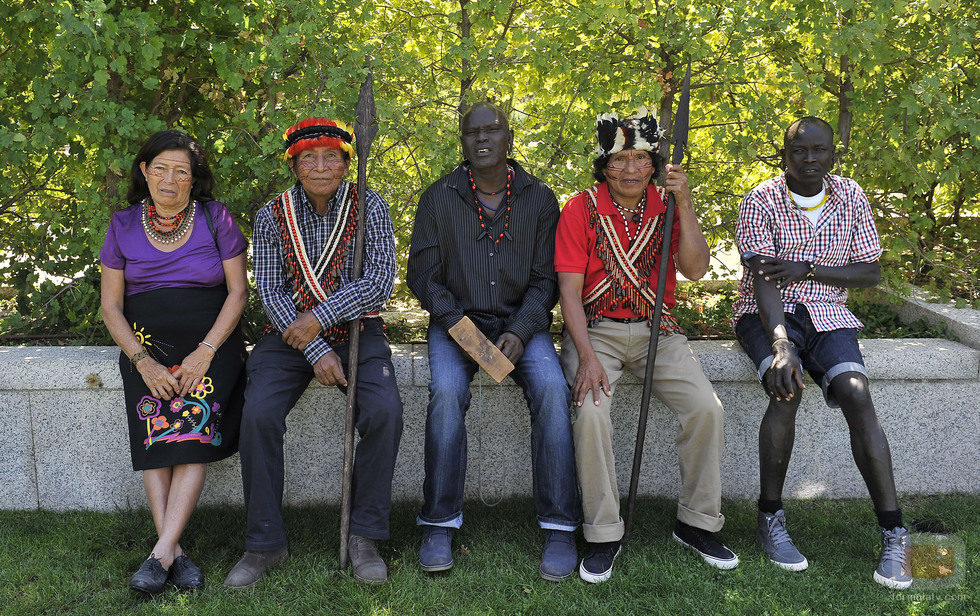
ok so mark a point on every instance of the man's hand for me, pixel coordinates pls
(784, 379)
(329, 371)
(676, 183)
(511, 346)
(302, 331)
(781, 271)
(590, 377)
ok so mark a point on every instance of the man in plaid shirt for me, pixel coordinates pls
(303, 254)
(805, 237)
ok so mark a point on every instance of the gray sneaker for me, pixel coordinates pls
(894, 570)
(771, 534)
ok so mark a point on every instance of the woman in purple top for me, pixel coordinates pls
(173, 290)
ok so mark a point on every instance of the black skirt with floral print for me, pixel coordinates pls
(201, 426)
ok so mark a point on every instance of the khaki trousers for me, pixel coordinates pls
(680, 383)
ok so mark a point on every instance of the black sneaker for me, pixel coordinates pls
(704, 543)
(598, 562)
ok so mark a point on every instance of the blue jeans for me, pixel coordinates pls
(552, 459)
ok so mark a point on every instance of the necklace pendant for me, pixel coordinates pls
(637, 218)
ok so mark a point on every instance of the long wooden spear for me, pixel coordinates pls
(365, 129)
(679, 136)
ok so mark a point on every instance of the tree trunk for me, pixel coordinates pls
(466, 79)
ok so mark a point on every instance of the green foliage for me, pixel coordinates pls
(82, 84)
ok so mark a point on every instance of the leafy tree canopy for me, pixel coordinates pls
(84, 82)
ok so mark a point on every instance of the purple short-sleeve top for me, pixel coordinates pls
(197, 263)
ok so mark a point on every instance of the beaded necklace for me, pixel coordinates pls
(637, 216)
(177, 225)
(479, 206)
(826, 195)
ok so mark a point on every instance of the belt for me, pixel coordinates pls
(628, 320)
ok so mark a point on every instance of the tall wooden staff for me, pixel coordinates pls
(365, 129)
(680, 140)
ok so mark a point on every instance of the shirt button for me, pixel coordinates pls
(491, 254)
(492, 282)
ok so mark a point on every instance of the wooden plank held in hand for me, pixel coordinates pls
(483, 352)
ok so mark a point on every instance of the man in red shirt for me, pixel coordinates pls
(607, 259)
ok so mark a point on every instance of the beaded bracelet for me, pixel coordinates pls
(140, 356)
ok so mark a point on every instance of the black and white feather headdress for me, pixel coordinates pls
(636, 132)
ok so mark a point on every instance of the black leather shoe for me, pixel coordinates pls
(150, 577)
(185, 575)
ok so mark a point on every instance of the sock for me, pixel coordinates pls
(770, 506)
(890, 519)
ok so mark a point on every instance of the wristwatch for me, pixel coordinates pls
(812, 266)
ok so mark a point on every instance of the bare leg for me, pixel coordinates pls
(156, 481)
(868, 443)
(776, 435)
(185, 488)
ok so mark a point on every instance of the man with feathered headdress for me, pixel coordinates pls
(607, 255)
(303, 254)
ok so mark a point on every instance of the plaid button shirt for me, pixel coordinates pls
(352, 299)
(769, 224)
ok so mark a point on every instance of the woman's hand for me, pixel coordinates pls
(193, 368)
(162, 384)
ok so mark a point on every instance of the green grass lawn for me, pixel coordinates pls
(80, 563)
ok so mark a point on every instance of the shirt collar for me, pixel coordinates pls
(829, 183)
(459, 180)
(300, 196)
(606, 207)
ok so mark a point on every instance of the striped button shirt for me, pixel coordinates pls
(354, 297)
(769, 224)
(456, 269)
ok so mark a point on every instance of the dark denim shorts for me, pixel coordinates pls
(824, 354)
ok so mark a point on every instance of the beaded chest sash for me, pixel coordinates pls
(313, 282)
(627, 281)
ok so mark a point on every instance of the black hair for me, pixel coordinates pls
(600, 162)
(805, 122)
(500, 113)
(171, 140)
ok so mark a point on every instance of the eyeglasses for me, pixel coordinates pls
(640, 163)
(310, 160)
(489, 130)
(181, 176)
(333, 159)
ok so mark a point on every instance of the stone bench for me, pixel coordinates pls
(65, 438)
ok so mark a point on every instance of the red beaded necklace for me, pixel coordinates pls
(166, 229)
(479, 206)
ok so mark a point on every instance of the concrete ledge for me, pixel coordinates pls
(964, 322)
(65, 443)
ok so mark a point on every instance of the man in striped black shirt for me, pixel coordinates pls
(483, 247)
